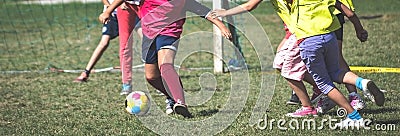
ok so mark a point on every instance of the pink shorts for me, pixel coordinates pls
(288, 60)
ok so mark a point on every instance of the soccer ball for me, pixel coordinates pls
(137, 103)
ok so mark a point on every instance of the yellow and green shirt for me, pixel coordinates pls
(313, 17)
(282, 9)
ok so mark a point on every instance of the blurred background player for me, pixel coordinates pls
(122, 22)
(127, 14)
(109, 32)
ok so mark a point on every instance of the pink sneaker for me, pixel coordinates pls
(356, 102)
(303, 111)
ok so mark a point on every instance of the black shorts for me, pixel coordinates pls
(339, 32)
(111, 28)
(150, 47)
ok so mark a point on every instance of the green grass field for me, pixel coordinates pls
(41, 102)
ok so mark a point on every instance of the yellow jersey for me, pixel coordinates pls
(282, 9)
(313, 17)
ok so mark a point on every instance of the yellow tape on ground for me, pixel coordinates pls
(374, 69)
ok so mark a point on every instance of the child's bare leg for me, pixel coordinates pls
(340, 100)
(153, 77)
(300, 90)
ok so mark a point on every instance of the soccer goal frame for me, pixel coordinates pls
(218, 39)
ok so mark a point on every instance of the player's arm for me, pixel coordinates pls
(106, 3)
(203, 11)
(245, 7)
(224, 30)
(362, 34)
(105, 16)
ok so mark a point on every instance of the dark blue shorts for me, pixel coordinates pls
(111, 28)
(150, 47)
(320, 55)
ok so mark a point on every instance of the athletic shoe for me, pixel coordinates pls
(234, 65)
(356, 102)
(294, 100)
(126, 89)
(350, 124)
(82, 78)
(170, 104)
(368, 88)
(303, 111)
(182, 110)
(324, 105)
(317, 95)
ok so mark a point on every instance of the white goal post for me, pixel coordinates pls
(218, 43)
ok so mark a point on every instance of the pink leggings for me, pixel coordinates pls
(126, 23)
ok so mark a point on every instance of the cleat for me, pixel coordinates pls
(182, 110)
(317, 95)
(324, 105)
(303, 112)
(356, 102)
(373, 92)
(126, 89)
(170, 104)
(294, 100)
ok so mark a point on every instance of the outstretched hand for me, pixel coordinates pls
(218, 13)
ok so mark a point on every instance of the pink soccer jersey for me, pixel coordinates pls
(166, 17)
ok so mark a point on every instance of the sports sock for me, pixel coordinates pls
(354, 115)
(358, 83)
(158, 84)
(172, 80)
(87, 72)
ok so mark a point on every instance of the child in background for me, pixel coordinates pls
(120, 24)
(109, 32)
(355, 99)
(127, 14)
